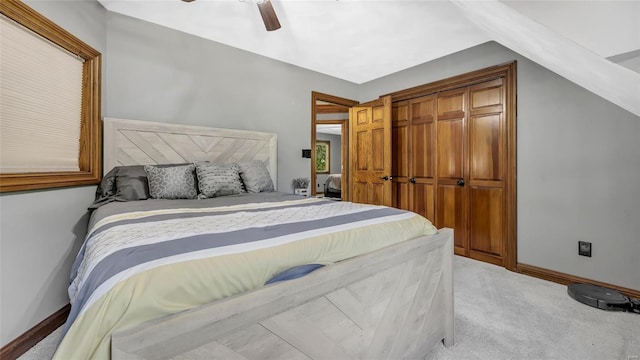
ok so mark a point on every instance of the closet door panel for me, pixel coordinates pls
(451, 206)
(450, 149)
(400, 152)
(423, 137)
(487, 144)
(423, 155)
(451, 145)
(486, 220)
(451, 213)
(400, 144)
(486, 147)
(487, 171)
(401, 195)
(423, 200)
(451, 103)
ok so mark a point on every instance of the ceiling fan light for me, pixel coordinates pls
(268, 15)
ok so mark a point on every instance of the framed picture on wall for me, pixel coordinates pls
(322, 156)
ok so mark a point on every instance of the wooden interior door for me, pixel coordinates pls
(370, 155)
(487, 171)
(451, 206)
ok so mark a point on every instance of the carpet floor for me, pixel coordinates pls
(504, 315)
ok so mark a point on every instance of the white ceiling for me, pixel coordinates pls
(362, 40)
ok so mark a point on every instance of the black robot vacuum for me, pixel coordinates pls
(603, 298)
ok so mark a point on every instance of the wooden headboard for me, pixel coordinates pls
(135, 142)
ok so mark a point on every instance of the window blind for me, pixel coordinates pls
(40, 103)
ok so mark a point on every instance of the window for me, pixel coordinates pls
(49, 104)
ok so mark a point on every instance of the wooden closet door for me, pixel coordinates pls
(423, 145)
(487, 171)
(401, 146)
(451, 207)
(465, 154)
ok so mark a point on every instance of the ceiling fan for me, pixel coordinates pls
(267, 12)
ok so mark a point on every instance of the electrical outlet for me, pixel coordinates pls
(584, 248)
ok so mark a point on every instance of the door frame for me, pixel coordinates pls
(508, 72)
(344, 143)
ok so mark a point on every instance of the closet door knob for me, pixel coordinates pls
(386, 177)
(460, 182)
(412, 180)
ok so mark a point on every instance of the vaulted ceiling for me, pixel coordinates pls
(362, 40)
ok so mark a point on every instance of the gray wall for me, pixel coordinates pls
(159, 74)
(578, 166)
(41, 231)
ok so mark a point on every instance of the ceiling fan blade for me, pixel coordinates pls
(268, 15)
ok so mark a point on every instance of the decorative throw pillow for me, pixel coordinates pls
(131, 183)
(106, 190)
(176, 182)
(256, 177)
(218, 180)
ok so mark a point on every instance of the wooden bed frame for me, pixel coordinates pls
(394, 303)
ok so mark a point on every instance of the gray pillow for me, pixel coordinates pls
(174, 182)
(122, 183)
(218, 180)
(256, 177)
(105, 192)
(131, 183)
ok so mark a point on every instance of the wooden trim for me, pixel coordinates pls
(565, 279)
(90, 156)
(331, 109)
(510, 259)
(26, 341)
(315, 97)
(454, 82)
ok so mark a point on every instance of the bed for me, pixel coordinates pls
(333, 186)
(248, 275)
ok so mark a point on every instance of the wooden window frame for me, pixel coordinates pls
(90, 156)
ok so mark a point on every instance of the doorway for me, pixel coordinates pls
(330, 145)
